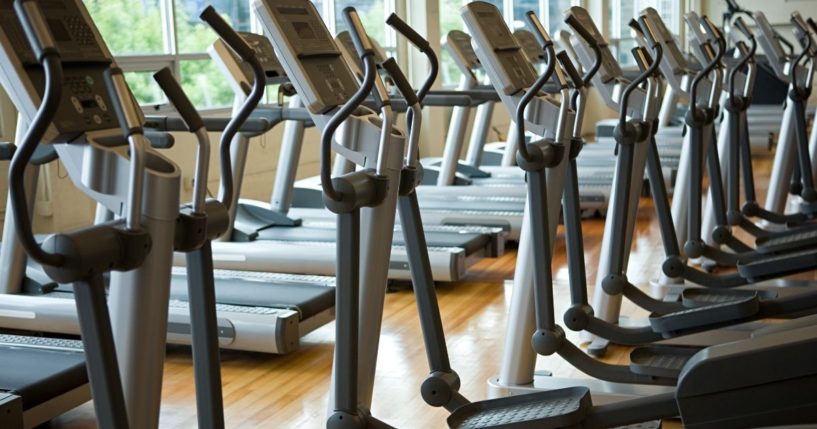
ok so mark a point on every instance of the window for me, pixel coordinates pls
(622, 11)
(372, 13)
(147, 35)
(554, 18)
(520, 8)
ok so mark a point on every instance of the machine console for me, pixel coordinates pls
(509, 62)
(458, 45)
(610, 68)
(529, 45)
(312, 61)
(266, 56)
(85, 105)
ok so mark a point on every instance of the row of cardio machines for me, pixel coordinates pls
(252, 310)
(759, 379)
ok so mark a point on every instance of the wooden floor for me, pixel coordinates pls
(268, 391)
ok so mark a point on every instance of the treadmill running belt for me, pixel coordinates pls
(470, 242)
(307, 299)
(38, 375)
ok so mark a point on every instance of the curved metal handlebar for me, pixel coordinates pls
(584, 34)
(369, 74)
(423, 46)
(176, 95)
(693, 91)
(550, 60)
(658, 52)
(130, 120)
(48, 55)
(803, 55)
(248, 55)
(746, 56)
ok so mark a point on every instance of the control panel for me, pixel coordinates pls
(458, 45)
(530, 46)
(239, 71)
(266, 56)
(511, 66)
(85, 104)
(310, 57)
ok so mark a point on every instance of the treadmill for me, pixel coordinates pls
(452, 248)
(263, 312)
(460, 210)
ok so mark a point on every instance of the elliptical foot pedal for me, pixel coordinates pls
(709, 315)
(779, 265)
(548, 409)
(660, 361)
(787, 242)
(697, 297)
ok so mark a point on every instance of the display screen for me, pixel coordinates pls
(88, 103)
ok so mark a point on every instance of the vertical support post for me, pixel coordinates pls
(201, 291)
(100, 353)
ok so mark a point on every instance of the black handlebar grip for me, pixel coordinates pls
(742, 48)
(124, 106)
(711, 28)
(642, 58)
(570, 69)
(797, 20)
(160, 140)
(35, 27)
(403, 85)
(362, 43)
(537, 29)
(403, 28)
(174, 92)
(574, 23)
(812, 24)
(740, 24)
(647, 31)
(227, 33)
(634, 25)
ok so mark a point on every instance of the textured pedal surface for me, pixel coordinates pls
(787, 242)
(696, 297)
(660, 361)
(779, 265)
(548, 409)
(41, 342)
(705, 316)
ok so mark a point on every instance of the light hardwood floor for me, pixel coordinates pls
(267, 391)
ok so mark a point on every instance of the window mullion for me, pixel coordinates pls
(169, 26)
(329, 10)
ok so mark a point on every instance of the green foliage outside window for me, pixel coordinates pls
(135, 28)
